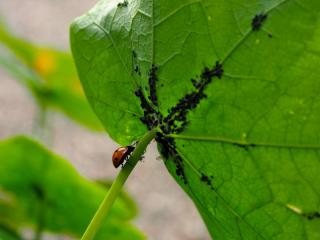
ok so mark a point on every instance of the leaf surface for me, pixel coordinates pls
(249, 154)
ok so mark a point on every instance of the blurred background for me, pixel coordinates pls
(165, 212)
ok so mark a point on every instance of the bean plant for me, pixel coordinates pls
(228, 90)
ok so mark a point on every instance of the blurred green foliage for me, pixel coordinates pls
(49, 74)
(40, 189)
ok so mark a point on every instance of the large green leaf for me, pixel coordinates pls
(49, 74)
(249, 154)
(46, 189)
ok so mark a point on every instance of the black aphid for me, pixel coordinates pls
(207, 180)
(257, 21)
(152, 84)
(176, 120)
(216, 71)
(312, 215)
(123, 4)
(168, 150)
(137, 70)
(143, 101)
(135, 65)
(195, 83)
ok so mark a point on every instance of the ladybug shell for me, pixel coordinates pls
(120, 155)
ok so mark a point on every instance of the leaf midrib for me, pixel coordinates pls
(243, 142)
(154, 25)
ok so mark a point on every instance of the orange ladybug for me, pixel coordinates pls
(121, 154)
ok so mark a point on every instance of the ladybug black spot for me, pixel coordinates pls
(207, 74)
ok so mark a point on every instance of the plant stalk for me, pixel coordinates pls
(117, 185)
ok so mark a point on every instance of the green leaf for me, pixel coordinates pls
(9, 216)
(8, 234)
(45, 185)
(249, 156)
(49, 74)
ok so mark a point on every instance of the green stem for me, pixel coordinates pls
(116, 187)
(42, 129)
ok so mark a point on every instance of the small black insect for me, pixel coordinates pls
(134, 54)
(143, 101)
(123, 4)
(244, 146)
(151, 117)
(257, 21)
(180, 168)
(135, 65)
(312, 215)
(152, 84)
(195, 83)
(207, 180)
(217, 71)
(137, 70)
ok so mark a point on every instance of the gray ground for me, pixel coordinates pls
(166, 213)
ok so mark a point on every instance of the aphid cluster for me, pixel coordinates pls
(176, 120)
(258, 20)
(151, 118)
(312, 215)
(123, 4)
(207, 180)
(152, 85)
(135, 64)
(168, 149)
